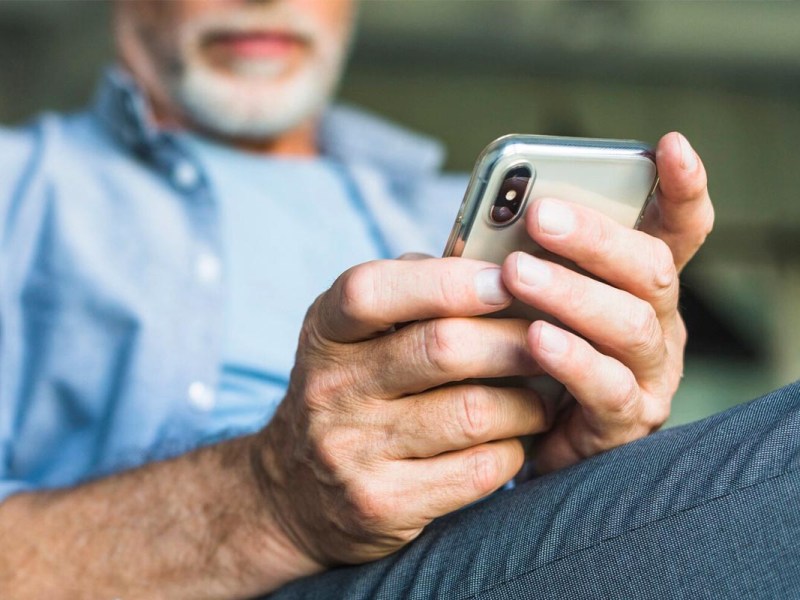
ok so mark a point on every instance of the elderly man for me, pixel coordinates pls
(164, 434)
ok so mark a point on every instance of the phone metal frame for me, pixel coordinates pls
(507, 152)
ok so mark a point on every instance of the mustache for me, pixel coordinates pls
(281, 19)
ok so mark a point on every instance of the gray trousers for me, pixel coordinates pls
(707, 510)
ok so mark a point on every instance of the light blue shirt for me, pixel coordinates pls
(289, 228)
(123, 288)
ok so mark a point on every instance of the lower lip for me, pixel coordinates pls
(256, 46)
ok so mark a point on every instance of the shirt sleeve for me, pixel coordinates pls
(17, 158)
(10, 487)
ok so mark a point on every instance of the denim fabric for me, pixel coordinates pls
(708, 510)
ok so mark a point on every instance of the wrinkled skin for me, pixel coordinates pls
(380, 432)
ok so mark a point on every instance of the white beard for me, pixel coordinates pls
(257, 99)
(250, 105)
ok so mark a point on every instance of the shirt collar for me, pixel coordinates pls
(348, 134)
(123, 110)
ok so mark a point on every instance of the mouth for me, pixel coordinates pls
(254, 44)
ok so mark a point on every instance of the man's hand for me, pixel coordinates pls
(377, 437)
(621, 353)
(371, 443)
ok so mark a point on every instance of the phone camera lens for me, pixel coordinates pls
(509, 197)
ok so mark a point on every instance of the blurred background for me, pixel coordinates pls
(727, 74)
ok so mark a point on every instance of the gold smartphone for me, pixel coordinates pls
(615, 177)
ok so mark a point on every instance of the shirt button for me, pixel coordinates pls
(201, 396)
(207, 268)
(185, 175)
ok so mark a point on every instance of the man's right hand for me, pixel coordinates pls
(370, 445)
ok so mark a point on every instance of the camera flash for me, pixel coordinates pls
(511, 194)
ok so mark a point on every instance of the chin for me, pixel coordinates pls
(254, 100)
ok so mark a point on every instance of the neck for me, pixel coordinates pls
(298, 142)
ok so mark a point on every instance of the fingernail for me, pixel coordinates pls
(551, 340)
(688, 155)
(489, 287)
(555, 218)
(532, 271)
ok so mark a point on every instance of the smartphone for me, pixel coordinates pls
(615, 177)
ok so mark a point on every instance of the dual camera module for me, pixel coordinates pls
(511, 195)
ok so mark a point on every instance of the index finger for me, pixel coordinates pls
(682, 214)
(370, 298)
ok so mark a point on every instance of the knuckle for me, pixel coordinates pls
(708, 221)
(601, 239)
(406, 536)
(626, 404)
(575, 294)
(472, 419)
(644, 330)
(705, 225)
(325, 387)
(311, 334)
(368, 503)
(329, 450)
(658, 414)
(665, 273)
(681, 333)
(450, 290)
(484, 471)
(440, 343)
(358, 291)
